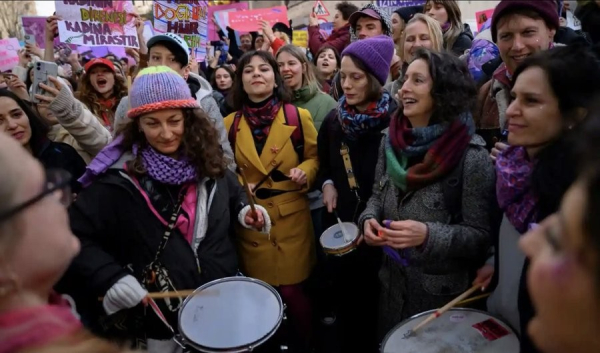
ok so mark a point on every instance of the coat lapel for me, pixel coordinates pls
(279, 135)
(249, 149)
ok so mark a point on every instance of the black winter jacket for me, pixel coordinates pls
(120, 235)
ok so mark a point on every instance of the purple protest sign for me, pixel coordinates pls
(36, 26)
(388, 6)
(212, 30)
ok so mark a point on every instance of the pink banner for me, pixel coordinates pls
(482, 17)
(9, 56)
(212, 30)
(248, 21)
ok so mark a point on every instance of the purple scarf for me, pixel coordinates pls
(513, 187)
(165, 169)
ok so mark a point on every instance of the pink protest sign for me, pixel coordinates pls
(248, 21)
(212, 30)
(9, 56)
(482, 17)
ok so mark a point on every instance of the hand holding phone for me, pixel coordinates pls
(41, 71)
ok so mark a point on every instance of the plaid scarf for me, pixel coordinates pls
(261, 118)
(355, 123)
(442, 146)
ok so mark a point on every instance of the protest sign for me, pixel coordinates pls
(97, 23)
(9, 53)
(248, 21)
(482, 16)
(300, 38)
(212, 30)
(35, 26)
(389, 6)
(188, 19)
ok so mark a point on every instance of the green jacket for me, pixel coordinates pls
(319, 104)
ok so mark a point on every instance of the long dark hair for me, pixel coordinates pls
(237, 98)
(555, 169)
(200, 144)
(39, 130)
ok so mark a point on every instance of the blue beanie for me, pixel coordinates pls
(375, 53)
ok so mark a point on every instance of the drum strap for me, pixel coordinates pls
(345, 152)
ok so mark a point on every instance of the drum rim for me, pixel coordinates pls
(236, 349)
(350, 244)
(429, 312)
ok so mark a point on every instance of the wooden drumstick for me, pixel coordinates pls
(347, 238)
(248, 193)
(178, 294)
(442, 310)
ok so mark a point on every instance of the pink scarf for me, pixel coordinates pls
(37, 326)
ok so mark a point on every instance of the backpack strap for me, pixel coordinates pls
(452, 191)
(292, 118)
(233, 129)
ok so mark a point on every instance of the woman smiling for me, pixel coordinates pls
(276, 145)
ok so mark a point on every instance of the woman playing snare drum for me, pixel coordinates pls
(431, 244)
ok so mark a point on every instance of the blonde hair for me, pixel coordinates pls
(285, 37)
(435, 33)
(454, 17)
(309, 77)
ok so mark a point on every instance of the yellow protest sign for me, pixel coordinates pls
(300, 39)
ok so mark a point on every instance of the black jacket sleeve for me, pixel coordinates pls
(93, 217)
(323, 145)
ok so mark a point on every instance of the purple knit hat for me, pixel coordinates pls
(157, 88)
(375, 53)
(545, 8)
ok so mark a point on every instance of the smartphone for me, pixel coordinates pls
(29, 39)
(41, 71)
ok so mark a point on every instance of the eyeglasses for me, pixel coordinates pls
(56, 179)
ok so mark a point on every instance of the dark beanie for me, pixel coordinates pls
(407, 13)
(282, 27)
(545, 8)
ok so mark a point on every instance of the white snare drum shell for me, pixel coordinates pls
(453, 332)
(243, 312)
(333, 238)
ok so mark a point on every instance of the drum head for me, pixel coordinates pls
(333, 238)
(453, 332)
(236, 312)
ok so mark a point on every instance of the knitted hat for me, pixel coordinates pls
(375, 53)
(157, 88)
(545, 8)
(373, 11)
(172, 38)
(99, 61)
(407, 13)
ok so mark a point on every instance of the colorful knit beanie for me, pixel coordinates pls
(157, 88)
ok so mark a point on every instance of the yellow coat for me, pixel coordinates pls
(289, 255)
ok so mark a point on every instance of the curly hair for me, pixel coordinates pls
(346, 9)
(237, 98)
(88, 95)
(200, 144)
(454, 91)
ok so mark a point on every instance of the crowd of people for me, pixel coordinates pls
(463, 160)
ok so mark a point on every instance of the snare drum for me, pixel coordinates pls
(333, 242)
(458, 330)
(244, 314)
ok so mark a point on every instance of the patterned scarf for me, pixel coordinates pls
(513, 187)
(261, 118)
(106, 111)
(355, 123)
(442, 146)
(165, 169)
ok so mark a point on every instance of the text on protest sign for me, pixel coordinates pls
(9, 57)
(249, 21)
(188, 19)
(97, 23)
(212, 10)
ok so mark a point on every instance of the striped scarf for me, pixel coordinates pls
(442, 146)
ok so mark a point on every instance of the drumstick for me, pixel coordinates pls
(347, 238)
(442, 310)
(474, 299)
(248, 193)
(181, 293)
